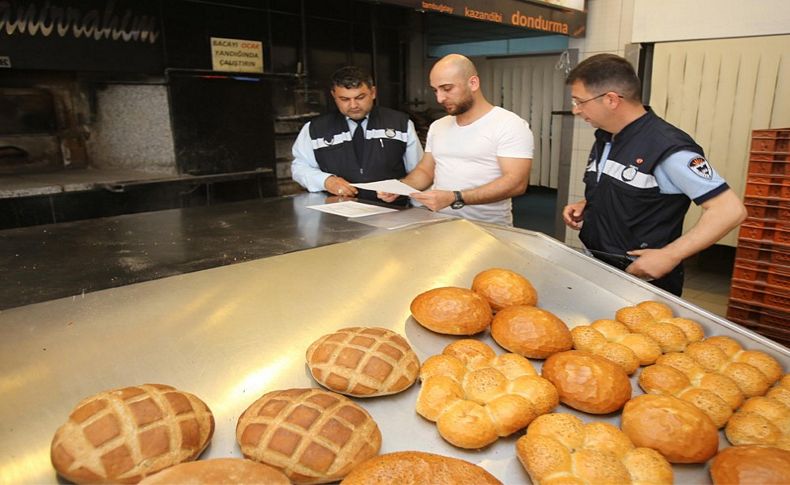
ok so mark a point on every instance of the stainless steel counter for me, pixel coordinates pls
(232, 333)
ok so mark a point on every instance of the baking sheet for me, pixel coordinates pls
(232, 333)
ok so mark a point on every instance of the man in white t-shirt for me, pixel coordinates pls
(477, 157)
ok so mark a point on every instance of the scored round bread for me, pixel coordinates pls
(452, 311)
(587, 382)
(751, 464)
(530, 331)
(503, 288)
(312, 435)
(416, 468)
(673, 427)
(219, 471)
(123, 435)
(363, 362)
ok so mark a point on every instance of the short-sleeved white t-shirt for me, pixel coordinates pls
(466, 157)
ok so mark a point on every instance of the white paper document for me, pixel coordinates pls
(393, 186)
(351, 209)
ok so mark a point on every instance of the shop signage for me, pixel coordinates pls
(533, 16)
(114, 35)
(236, 55)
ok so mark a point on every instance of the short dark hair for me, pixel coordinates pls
(607, 72)
(351, 77)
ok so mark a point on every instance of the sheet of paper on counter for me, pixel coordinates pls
(351, 209)
(403, 218)
(391, 186)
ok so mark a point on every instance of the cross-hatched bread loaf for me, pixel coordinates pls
(560, 448)
(503, 288)
(418, 468)
(587, 382)
(363, 362)
(673, 427)
(123, 435)
(475, 396)
(614, 341)
(763, 420)
(530, 331)
(452, 311)
(218, 471)
(751, 465)
(312, 435)
(655, 320)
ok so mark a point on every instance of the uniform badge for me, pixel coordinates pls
(329, 139)
(629, 173)
(390, 133)
(701, 167)
(639, 161)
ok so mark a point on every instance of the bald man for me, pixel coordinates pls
(477, 157)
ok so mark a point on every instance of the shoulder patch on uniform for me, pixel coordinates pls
(701, 168)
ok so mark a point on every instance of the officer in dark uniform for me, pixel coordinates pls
(360, 143)
(641, 176)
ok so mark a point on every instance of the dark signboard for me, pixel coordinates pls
(513, 13)
(86, 35)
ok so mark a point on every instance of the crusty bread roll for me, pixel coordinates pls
(614, 341)
(452, 311)
(219, 471)
(312, 435)
(763, 420)
(363, 362)
(655, 320)
(673, 427)
(663, 379)
(560, 448)
(476, 396)
(123, 435)
(587, 382)
(503, 288)
(751, 465)
(530, 331)
(417, 468)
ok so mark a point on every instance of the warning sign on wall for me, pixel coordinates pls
(236, 55)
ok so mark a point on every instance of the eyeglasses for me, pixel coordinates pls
(576, 103)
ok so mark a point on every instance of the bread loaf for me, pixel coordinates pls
(476, 396)
(313, 436)
(219, 471)
(662, 379)
(673, 427)
(530, 331)
(363, 362)
(614, 341)
(763, 420)
(452, 311)
(655, 320)
(751, 465)
(123, 435)
(587, 382)
(503, 288)
(417, 468)
(560, 448)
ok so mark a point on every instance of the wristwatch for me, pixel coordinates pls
(459, 200)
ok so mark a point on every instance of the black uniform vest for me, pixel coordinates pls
(625, 210)
(385, 143)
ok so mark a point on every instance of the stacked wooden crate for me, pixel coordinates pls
(760, 290)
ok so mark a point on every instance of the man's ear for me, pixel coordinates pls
(373, 92)
(474, 83)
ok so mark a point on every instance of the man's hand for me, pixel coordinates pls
(652, 264)
(339, 186)
(386, 196)
(573, 214)
(435, 200)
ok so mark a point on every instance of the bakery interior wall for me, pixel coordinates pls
(140, 113)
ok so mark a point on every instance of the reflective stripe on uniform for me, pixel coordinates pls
(640, 181)
(336, 140)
